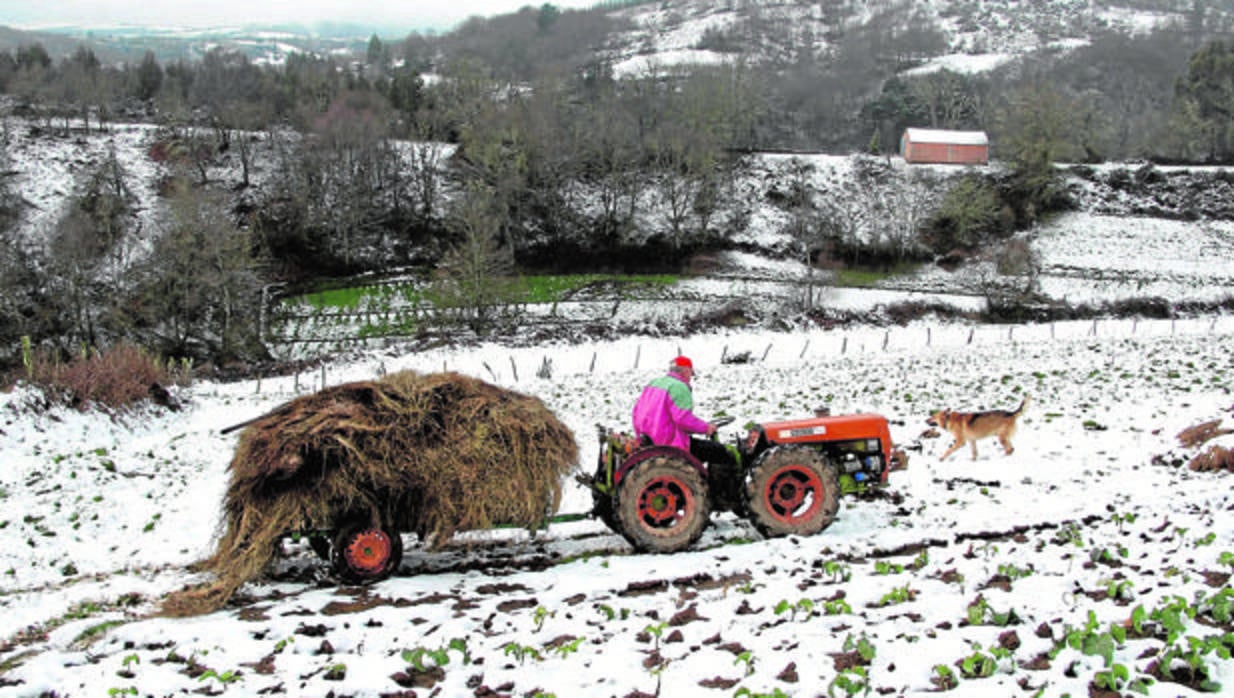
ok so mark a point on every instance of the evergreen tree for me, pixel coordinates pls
(1206, 95)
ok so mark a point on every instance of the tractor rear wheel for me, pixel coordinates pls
(662, 505)
(792, 491)
(363, 554)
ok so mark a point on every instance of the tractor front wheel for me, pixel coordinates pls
(792, 491)
(662, 505)
(363, 554)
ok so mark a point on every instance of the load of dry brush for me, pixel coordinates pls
(430, 454)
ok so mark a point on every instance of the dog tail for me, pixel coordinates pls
(1023, 403)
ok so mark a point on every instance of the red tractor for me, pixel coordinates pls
(788, 481)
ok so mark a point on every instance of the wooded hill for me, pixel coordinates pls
(529, 142)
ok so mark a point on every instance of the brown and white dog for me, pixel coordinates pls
(968, 427)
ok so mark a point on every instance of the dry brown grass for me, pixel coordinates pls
(1215, 458)
(1201, 433)
(430, 454)
(115, 378)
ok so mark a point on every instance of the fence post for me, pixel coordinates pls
(638, 353)
(514, 368)
(803, 349)
(929, 336)
(970, 335)
(592, 368)
(724, 353)
(844, 345)
(323, 376)
(766, 351)
(886, 338)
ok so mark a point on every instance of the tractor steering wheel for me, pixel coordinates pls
(722, 421)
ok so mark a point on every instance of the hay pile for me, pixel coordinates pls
(431, 454)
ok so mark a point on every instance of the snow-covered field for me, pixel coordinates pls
(1010, 573)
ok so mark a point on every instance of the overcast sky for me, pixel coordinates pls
(410, 14)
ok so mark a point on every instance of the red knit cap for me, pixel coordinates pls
(683, 361)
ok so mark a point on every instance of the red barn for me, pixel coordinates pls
(928, 145)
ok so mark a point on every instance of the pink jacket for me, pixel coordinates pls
(663, 413)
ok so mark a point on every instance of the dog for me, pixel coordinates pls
(968, 427)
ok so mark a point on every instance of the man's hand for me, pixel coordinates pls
(711, 429)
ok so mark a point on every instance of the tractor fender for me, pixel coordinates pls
(655, 452)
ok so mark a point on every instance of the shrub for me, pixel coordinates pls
(970, 213)
(118, 377)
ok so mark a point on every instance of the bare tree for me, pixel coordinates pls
(198, 292)
(476, 286)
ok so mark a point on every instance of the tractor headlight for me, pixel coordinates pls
(872, 445)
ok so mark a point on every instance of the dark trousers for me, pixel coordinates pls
(723, 474)
(711, 452)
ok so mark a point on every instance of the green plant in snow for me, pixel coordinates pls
(1119, 589)
(835, 607)
(1122, 519)
(852, 681)
(838, 571)
(1103, 555)
(898, 595)
(225, 678)
(1172, 615)
(1118, 679)
(746, 658)
(540, 615)
(862, 646)
(1192, 652)
(656, 630)
(978, 665)
(882, 567)
(805, 606)
(944, 677)
(1069, 533)
(920, 562)
(744, 692)
(521, 652)
(1010, 571)
(1219, 606)
(566, 649)
(980, 612)
(1088, 640)
(416, 657)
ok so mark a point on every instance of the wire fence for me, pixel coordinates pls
(525, 366)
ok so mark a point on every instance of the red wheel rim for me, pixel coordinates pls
(793, 494)
(664, 501)
(368, 552)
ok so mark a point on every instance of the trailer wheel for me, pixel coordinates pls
(792, 491)
(662, 505)
(363, 554)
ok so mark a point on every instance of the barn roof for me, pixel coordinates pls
(935, 135)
